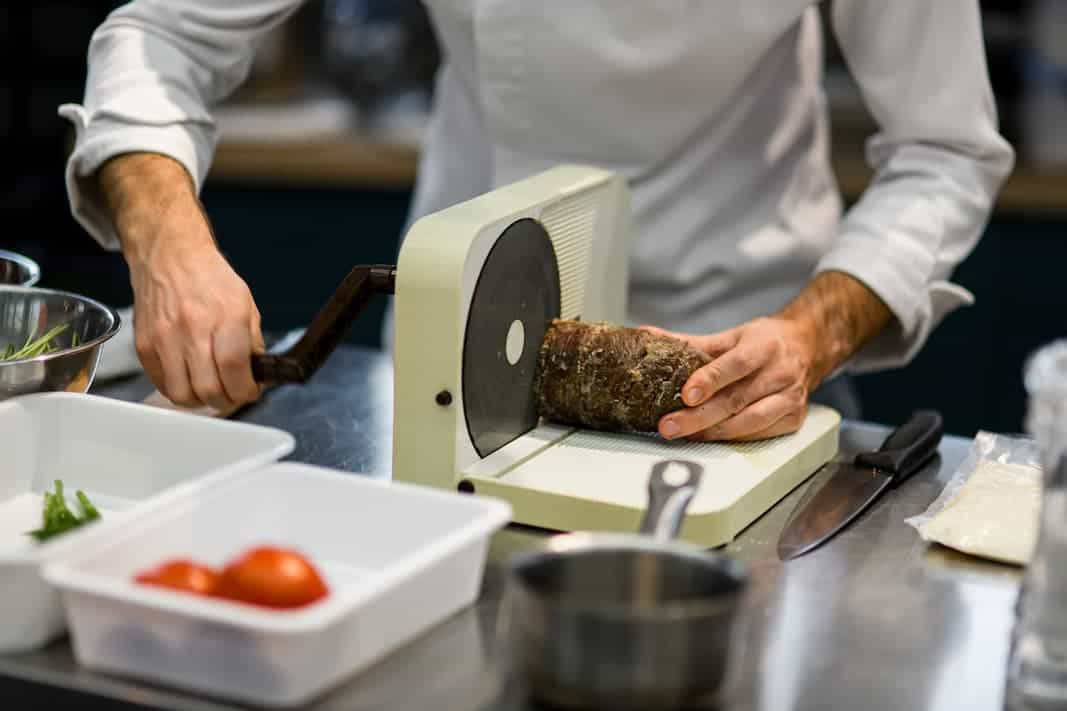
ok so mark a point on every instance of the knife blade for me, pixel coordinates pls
(850, 487)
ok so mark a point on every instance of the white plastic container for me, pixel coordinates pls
(121, 455)
(397, 558)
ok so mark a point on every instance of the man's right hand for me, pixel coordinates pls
(196, 323)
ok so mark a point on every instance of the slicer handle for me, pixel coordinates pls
(327, 329)
(277, 369)
(908, 448)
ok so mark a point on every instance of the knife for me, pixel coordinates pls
(851, 487)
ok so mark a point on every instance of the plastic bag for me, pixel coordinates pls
(992, 505)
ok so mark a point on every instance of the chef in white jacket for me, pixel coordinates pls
(712, 109)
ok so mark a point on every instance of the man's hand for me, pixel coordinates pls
(756, 387)
(196, 324)
(758, 384)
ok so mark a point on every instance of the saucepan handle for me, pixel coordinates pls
(668, 499)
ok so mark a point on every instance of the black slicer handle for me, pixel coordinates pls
(269, 368)
(327, 329)
(908, 448)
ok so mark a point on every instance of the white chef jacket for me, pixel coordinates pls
(712, 109)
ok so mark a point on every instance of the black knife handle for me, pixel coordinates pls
(908, 448)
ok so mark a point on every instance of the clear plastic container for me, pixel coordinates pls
(1037, 673)
(121, 455)
(398, 559)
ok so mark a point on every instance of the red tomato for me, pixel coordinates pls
(273, 577)
(182, 574)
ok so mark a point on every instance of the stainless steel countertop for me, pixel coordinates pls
(872, 620)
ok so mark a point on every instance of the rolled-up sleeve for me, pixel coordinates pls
(938, 160)
(156, 68)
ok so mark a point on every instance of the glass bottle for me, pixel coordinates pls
(1037, 671)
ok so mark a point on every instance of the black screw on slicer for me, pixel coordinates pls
(444, 398)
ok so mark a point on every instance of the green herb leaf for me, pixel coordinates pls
(35, 347)
(57, 518)
(90, 511)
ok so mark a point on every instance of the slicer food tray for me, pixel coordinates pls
(585, 480)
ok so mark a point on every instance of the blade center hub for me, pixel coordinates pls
(516, 342)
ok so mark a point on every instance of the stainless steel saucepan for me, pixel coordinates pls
(627, 621)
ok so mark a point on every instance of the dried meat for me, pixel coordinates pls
(607, 377)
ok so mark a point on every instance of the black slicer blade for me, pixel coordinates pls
(519, 282)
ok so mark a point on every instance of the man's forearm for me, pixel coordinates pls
(139, 190)
(839, 314)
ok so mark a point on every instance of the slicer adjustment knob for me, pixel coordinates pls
(444, 398)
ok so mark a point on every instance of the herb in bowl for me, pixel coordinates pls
(37, 346)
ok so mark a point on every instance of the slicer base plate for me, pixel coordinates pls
(586, 480)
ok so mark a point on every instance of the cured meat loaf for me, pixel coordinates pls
(607, 377)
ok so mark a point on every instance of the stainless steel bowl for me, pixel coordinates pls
(17, 269)
(29, 312)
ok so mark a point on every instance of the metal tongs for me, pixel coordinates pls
(327, 329)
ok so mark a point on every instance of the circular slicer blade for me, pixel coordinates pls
(515, 299)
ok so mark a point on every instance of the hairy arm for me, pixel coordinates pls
(143, 145)
(138, 191)
(196, 323)
(763, 371)
(883, 287)
(837, 315)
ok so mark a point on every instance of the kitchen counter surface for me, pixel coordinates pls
(873, 620)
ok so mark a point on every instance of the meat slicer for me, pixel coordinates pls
(476, 286)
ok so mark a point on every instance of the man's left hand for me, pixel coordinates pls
(756, 387)
(758, 384)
